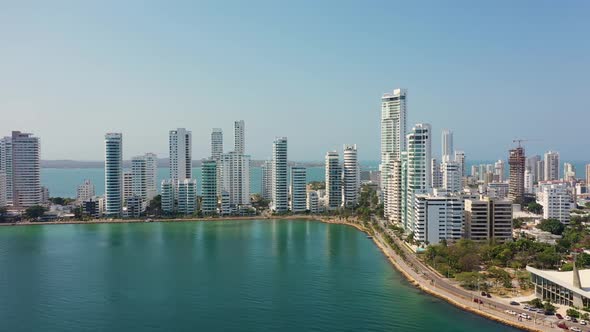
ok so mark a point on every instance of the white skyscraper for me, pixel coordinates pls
(3, 201)
(499, 171)
(393, 138)
(235, 174)
(168, 189)
(556, 199)
(209, 190)
(528, 181)
(240, 137)
(266, 186)
(85, 191)
(447, 145)
(6, 167)
(180, 144)
(551, 163)
(151, 175)
(451, 176)
(532, 162)
(113, 174)
(436, 172)
(460, 159)
(333, 181)
(127, 185)
(216, 143)
(350, 176)
(418, 167)
(138, 177)
(569, 172)
(22, 166)
(396, 190)
(280, 191)
(298, 190)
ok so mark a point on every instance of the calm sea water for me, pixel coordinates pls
(63, 182)
(206, 276)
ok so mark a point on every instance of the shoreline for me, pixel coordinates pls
(446, 298)
(324, 219)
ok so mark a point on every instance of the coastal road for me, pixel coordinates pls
(432, 281)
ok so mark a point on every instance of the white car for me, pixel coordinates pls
(568, 318)
(583, 322)
(575, 329)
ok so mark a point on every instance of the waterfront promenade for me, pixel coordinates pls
(431, 282)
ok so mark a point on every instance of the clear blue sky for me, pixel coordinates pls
(313, 71)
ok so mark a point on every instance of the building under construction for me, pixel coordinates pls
(517, 161)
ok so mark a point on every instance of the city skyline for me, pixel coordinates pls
(189, 73)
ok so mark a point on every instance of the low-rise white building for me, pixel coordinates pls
(85, 191)
(563, 288)
(313, 204)
(186, 195)
(451, 176)
(497, 190)
(438, 217)
(556, 199)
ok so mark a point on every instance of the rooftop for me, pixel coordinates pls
(566, 279)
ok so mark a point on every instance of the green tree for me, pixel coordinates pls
(573, 313)
(535, 207)
(3, 211)
(548, 307)
(552, 226)
(537, 303)
(34, 212)
(317, 185)
(500, 275)
(470, 280)
(155, 206)
(517, 222)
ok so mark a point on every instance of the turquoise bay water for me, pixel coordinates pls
(210, 276)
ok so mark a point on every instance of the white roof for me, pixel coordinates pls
(566, 279)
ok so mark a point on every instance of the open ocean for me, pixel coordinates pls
(62, 182)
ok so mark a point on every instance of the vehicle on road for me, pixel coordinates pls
(525, 316)
(575, 329)
(559, 316)
(583, 322)
(568, 318)
(514, 303)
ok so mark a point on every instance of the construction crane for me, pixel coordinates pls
(520, 140)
